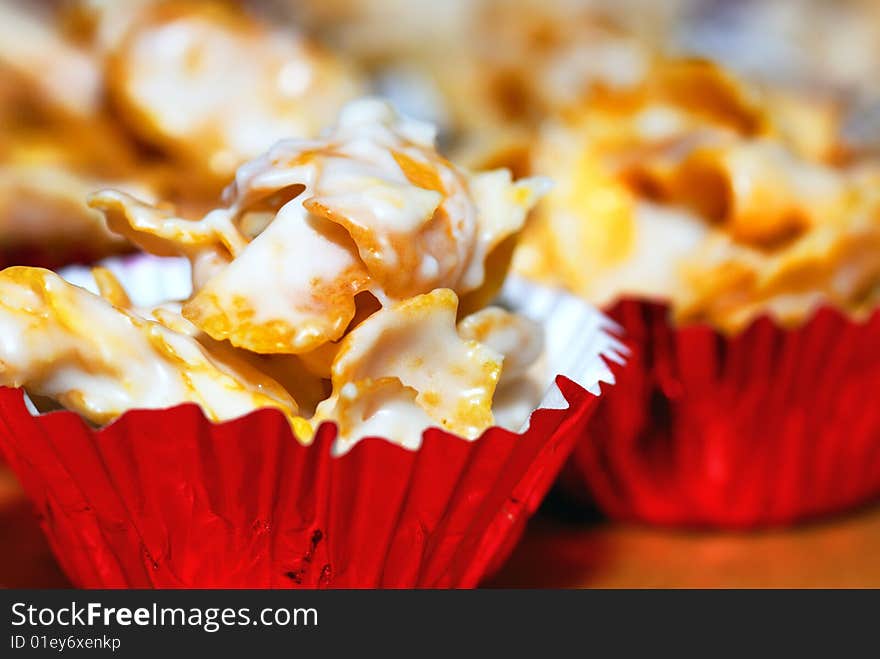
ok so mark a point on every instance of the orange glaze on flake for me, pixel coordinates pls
(707, 90)
(481, 326)
(420, 174)
(402, 278)
(110, 289)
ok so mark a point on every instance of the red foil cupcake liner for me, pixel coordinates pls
(165, 498)
(768, 427)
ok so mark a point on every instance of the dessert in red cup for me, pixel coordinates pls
(736, 240)
(345, 286)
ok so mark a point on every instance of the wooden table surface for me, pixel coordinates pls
(843, 552)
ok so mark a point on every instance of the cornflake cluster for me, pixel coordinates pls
(345, 279)
(730, 201)
(162, 99)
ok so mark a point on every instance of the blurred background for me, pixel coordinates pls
(166, 99)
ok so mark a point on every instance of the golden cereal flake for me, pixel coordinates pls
(416, 343)
(159, 231)
(519, 340)
(290, 291)
(379, 408)
(62, 342)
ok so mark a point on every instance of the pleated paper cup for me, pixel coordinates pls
(767, 427)
(166, 498)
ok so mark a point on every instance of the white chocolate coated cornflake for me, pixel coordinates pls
(371, 207)
(330, 283)
(65, 343)
(411, 353)
(701, 191)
